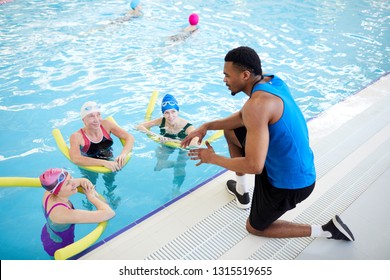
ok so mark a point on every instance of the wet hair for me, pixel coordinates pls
(245, 58)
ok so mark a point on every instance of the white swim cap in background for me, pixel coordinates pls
(88, 108)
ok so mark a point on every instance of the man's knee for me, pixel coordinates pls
(250, 229)
(256, 231)
(248, 226)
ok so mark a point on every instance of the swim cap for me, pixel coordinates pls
(88, 108)
(169, 102)
(193, 19)
(134, 4)
(53, 179)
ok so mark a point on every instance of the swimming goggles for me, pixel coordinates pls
(165, 103)
(60, 179)
(90, 108)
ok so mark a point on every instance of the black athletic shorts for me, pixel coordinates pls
(241, 136)
(268, 202)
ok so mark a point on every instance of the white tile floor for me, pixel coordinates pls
(368, 218)
(366, 215)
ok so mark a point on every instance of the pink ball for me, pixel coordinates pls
(193, 19)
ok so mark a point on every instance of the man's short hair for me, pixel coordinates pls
(246, 58)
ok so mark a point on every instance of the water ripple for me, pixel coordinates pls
(56, 55)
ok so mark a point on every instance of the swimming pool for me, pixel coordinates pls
(56, 56)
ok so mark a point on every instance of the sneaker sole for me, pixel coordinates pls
(343, 228)
(239, 205)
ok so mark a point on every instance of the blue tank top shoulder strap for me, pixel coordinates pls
(275, 86)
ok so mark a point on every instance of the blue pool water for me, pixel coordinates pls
(54, 56)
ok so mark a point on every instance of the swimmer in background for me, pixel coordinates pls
(60, 214)
(193, 20)
(134, 12)
(91, 145)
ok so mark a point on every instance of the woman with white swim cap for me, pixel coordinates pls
(91, 145)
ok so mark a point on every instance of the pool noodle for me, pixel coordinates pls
(72, 249)
(19, 182)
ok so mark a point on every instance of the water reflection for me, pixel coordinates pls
(108, 193)
(166, 160)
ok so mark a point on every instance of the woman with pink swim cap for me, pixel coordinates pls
(60, 214)
(193, 20)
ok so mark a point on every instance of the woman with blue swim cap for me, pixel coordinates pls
(134, 12)
(136, 9)
(172, 127)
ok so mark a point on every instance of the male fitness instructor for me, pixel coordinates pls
(267, 137)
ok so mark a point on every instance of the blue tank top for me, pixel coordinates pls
(290, 160)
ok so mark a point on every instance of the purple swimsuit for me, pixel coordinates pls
(56, 236)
